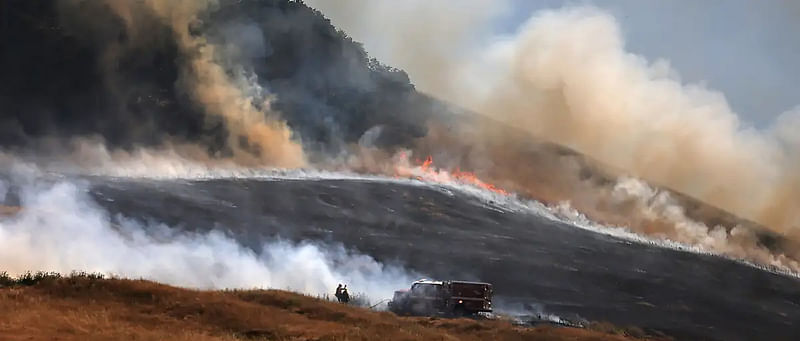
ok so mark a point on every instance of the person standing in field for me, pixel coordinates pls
(339, 292)
(345, 296)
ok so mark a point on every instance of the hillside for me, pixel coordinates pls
(85, 307)
(323, 84)
(553, 173)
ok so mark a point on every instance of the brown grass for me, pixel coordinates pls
(83, 308)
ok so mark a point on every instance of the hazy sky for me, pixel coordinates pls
(749, 50)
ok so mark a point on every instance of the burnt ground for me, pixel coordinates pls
(531, 260)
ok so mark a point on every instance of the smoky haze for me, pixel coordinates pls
(167, 88)
(174, 89)
(262, 83)
(57, 211)
(565, 76)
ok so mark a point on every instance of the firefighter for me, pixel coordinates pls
(345, 296)
(339, 292)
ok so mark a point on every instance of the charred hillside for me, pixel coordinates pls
(118, 71)
(79, 68)
(552, 173)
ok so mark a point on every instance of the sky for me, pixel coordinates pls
(700, 97)
(749, 50)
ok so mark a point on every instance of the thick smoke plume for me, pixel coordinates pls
(261, 83)
(565, 76)
(229, 91)
(171, 88)
(569, 79)
(35, 238)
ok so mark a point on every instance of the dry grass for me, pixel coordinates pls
(90, 308)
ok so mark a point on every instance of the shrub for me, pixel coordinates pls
(34, 278)
(6, 280)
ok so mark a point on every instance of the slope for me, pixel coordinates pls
(85, 307)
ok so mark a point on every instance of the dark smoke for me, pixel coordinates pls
(273, 83)
(80, 69)
(55, 82)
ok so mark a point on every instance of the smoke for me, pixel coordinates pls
(666, 218)
(94, 157)
(58, 211)
(227, 90)
(164, 88)
(565, 76)
(570, 80)
(256, 83)
(532, 314)
(428, 39)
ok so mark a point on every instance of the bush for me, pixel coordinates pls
(28, 278)
(34, 278)
(6, 280)
(87, 275)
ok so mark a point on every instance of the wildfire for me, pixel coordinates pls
(426, 171)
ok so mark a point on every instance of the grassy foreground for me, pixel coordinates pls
(88, 307)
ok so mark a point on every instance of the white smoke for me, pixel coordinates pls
(61, 229)
(680, 233)
(568, 78)
(565, 75)
(533, 314)
(738, 242)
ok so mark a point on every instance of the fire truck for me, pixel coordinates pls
(443, 298)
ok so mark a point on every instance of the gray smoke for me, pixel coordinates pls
(60, 228)
(260, 83)
(565, 76)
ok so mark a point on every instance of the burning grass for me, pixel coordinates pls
(82, 306)
(426, 171)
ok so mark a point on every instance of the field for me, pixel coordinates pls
(86, 307)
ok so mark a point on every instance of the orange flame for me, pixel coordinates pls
(470, 178)
(426, 171)
(428, 162)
